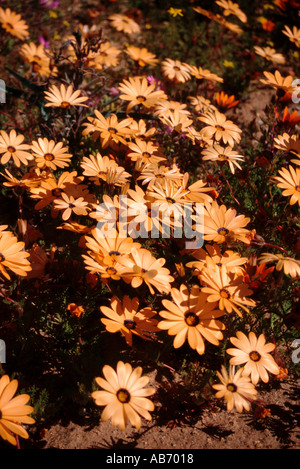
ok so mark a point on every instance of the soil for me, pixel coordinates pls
(208, 426)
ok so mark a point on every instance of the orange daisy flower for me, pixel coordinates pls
(190, 317)
(125, 317)
(69, 205)
(51, 188)
(11, 146)
(145, 151)
(124, 23)
(13, 24)
(13, 256)
(138, 92)
(254, 353)
(103, 168)
(141, 55)
(203, 74)
(225, 101)
(220, 128)
(49, 154)
(109, 130)
(14, 411)
(222, 225)
(226, 288)
(223, 155)
(124, 395)
(64, 97)
(141, 267)
(289, 180)
(235, 388)
(175, 70)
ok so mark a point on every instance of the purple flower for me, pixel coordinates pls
(50, 3)
(114, 91)
(43, 41)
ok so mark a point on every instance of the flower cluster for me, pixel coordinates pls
(137, 198)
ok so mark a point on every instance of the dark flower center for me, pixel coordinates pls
(130, 324)
(219, 127)
(111, 270)
(2, 258)
(176, 68)
(49, 156)
(223, 157)
(191, 319)
(170, 200)
(11, 149)
(112, 130)
(146, 154)
(223, 231)
(231, 387)
(140, 98)
(57, 192)
(64, 104)
(255, 356)
(224, 293)
(114, 253)
(123, 396)
(297, 188)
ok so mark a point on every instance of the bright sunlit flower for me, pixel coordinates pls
(225, 288)
(126, 317)
(64, 97)
(13, 256)
(48, 154)
(289, 265)
(292, 34)
(106, 56)
(270, 54)
(232, 260)
(109, 248)
(39, 60)
(102, 168)
(190, 317)
(110, 130)
(68, 205)
(145, 151)
(289, 144)
(224, 155)
(12, 146)
(13, 24)
(203, 74)
(141, 55)
(223, 225)
(289, 180)
(124, 23)
(14, 411)
(235, 388)
(142, 267)
(138, 92)
(278, 82)
(124, 395)
(175, 70)
(254, 353)
(165, 106)
(231, 8)
(220, 128)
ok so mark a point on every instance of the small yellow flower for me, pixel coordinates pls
(53, 14)
(228, 64)
(175, 11)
